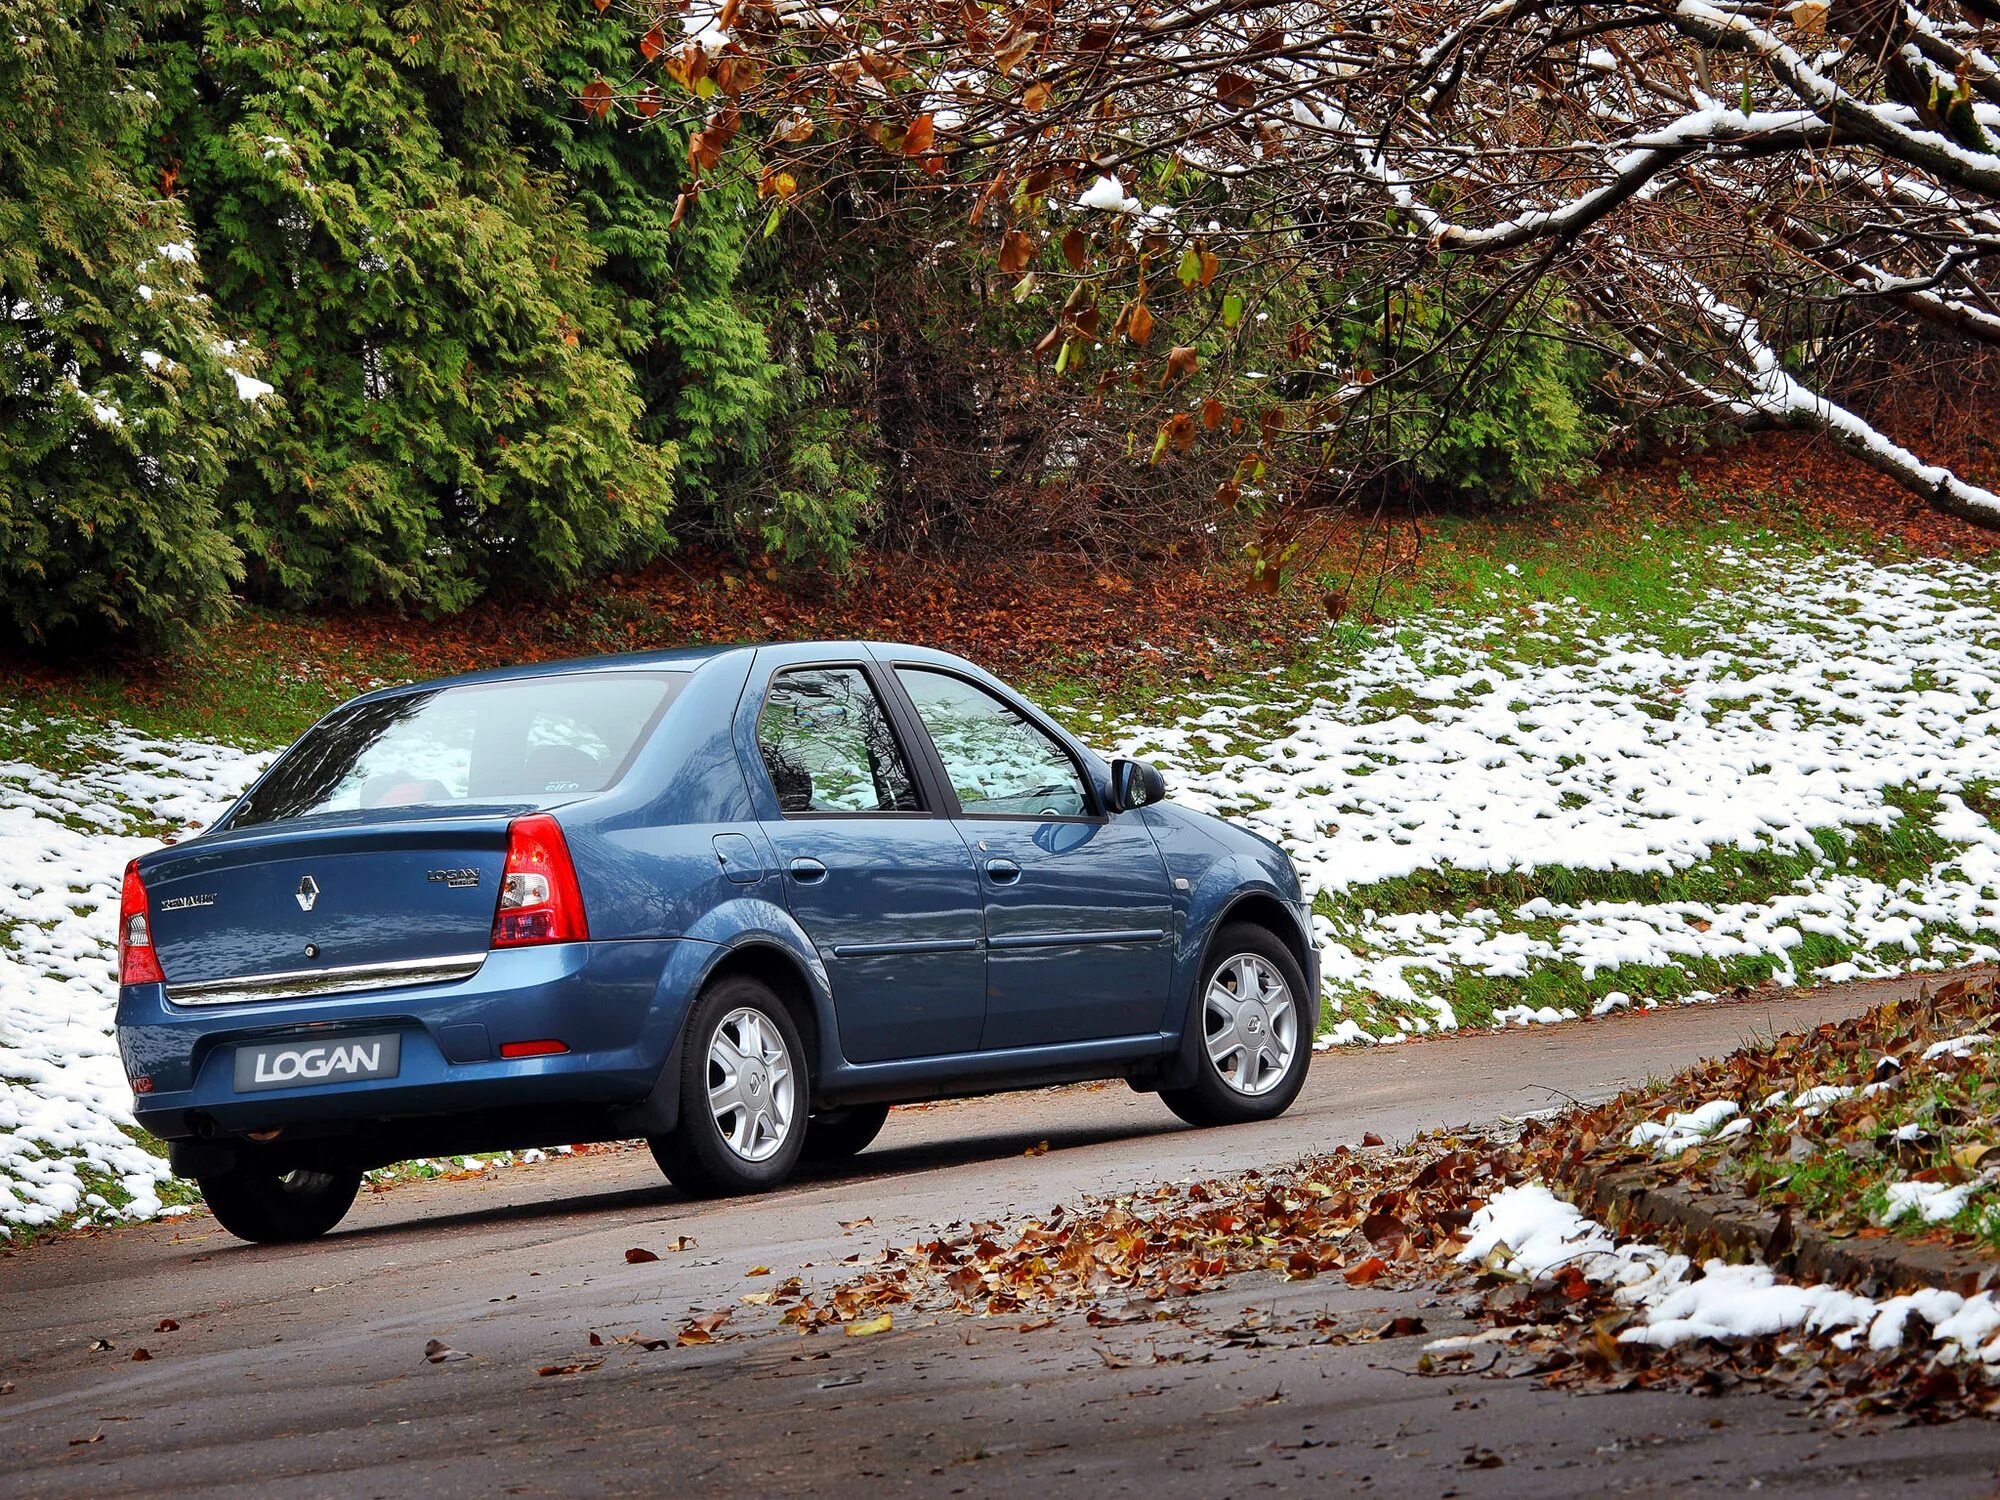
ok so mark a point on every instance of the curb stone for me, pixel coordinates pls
(1736, 1228)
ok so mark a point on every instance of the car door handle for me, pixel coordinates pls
(1003, 871)
(808, 871)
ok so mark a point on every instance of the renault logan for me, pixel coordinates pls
(737, 902)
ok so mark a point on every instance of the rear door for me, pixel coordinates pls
(1077, 905)
(882, 884)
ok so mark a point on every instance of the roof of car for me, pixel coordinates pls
(684, 659)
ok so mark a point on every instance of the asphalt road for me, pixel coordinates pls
(301, 1369)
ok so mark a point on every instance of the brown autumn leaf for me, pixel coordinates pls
(166, 1325)
(652, 44)
(1180, 430)
(1016, 249)
(576, 1368)
(1234, 91)
(597, 98)
(142, 1354)
(1010, 54)
(701, 1330)
(917, 139)
(1370, 1138)
(438, 1352)
(1369, 1270)
(595, 1341)
(638, 1256)
(850, 1225)
(1182, 361)
(1385, 1231)
(706, 146)
(1211, 418)
(1040, 1148)
(650, 101)
(1035, 96)
(1075, 246)
(1138, 322)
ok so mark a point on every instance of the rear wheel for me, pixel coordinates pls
(271, 1208)
(1249, 1019)
(837, 1134)
(743, 1093)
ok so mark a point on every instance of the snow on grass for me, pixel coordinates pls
(1529, 1231)
(1523, 801)
(65, 1150)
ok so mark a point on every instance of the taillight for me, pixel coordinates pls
(137, 963)
(539, 901)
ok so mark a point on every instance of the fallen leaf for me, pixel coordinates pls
(437, 1352)
(595, 1341)
(1371, 1139)
(869, 1326)
(701, 1330)
(138, 1354)
(95, 1437)
(101, 1346)
(166, 1325)
(1369, 1270)
(1040, 1148)
(758, 1271)
(574, 1369)
(638, 1257)
(850, 1225)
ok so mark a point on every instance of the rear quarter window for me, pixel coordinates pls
(528, 739)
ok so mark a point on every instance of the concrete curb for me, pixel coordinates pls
(1706, 1223)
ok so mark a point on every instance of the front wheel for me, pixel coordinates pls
(275, 1208)
(743, 1094)
(1249, 1018)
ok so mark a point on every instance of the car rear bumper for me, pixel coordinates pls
(617, 1007)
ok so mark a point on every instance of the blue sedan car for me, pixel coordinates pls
(735, 901)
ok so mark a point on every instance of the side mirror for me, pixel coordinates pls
(1135, 783)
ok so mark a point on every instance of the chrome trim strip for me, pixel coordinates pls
(918, 945)
(1075, 939)
(298, 984)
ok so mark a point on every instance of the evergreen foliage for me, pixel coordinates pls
(460, 411)
(119, 400)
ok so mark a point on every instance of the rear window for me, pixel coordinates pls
(527, 740)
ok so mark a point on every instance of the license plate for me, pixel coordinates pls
(346, 1059)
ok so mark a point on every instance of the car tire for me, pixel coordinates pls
(276, 1208)
(1274, 1038)
(739, 1038)
(837, 1134)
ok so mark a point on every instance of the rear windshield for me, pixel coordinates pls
(525, 740)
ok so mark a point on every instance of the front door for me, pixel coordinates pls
(1079, 918)
(883, 886)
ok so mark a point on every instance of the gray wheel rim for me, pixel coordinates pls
(750, 1084)
(1250, 1024)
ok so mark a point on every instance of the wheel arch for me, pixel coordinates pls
(779, 971)
(1260, 906)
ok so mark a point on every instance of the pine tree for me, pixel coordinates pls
(697, 342)
(460, 413)
(120, 402)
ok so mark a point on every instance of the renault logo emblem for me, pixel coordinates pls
(308, 892)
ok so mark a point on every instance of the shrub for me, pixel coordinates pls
(120, 403)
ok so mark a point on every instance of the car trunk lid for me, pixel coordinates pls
(301, 905)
